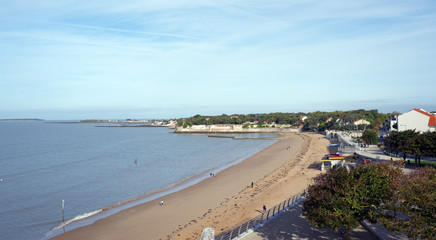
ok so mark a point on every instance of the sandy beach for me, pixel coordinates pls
(223, 201)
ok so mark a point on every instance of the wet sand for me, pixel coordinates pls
(223, 201)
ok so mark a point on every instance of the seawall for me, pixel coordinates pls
(232, 128)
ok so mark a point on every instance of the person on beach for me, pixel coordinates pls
(252, 184)
(161, 203)
(264, 208)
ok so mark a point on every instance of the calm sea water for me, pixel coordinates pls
(95, 167)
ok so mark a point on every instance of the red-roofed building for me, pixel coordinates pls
(418, 119)
(361, 122)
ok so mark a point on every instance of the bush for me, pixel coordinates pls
(339, 199)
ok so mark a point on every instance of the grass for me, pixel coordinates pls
(424, 163)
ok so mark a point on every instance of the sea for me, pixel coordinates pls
(87, 167)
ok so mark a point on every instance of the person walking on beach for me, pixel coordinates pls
(252, 184)
(161, 203)
(264, 208)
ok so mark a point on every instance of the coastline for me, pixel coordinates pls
(89, 218)
(185, 210)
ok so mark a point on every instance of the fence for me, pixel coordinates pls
(260, 218)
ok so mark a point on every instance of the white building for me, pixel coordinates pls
(418, 119)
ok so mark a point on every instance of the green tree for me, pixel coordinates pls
(417, 147)
(322, 127)
(340, 199)
(432, 141)
(427, 145)
(400, 142)
(370, 136)
(315, 118)
(198, 120)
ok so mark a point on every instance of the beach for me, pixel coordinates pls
(223, 201)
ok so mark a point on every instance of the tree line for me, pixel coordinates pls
(413, 143)
(320, 121)
(341, 198)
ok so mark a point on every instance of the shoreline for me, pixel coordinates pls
(86, 219)
(187, 210)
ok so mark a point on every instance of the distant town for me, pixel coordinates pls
(354, 120)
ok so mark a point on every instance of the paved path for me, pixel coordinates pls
(292, 225)
(372, 151)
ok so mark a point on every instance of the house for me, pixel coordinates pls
(328, 119)
(418, 119)
(340, 122)
(302, 118)
(361, 122)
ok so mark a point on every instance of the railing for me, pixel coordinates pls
(261, 217)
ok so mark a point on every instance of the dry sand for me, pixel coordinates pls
(222, 202)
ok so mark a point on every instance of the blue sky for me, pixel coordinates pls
(162, 59)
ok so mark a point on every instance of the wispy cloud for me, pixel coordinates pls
(225, 55)
(126, 31)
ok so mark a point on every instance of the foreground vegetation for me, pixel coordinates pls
(341, 198)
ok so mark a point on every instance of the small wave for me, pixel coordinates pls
(77, 218)
(85, 215)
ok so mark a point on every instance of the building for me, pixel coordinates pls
(361, 122)
(393, 122)
(416, 119)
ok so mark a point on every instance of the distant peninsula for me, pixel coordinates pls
(22, 120)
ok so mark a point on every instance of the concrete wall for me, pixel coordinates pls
(231, 128)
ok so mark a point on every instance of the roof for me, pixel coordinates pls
(432, 118)
(361, 122)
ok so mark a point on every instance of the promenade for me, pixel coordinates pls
(290, 224)
(371, 151)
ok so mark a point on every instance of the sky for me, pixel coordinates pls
(149, 59)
